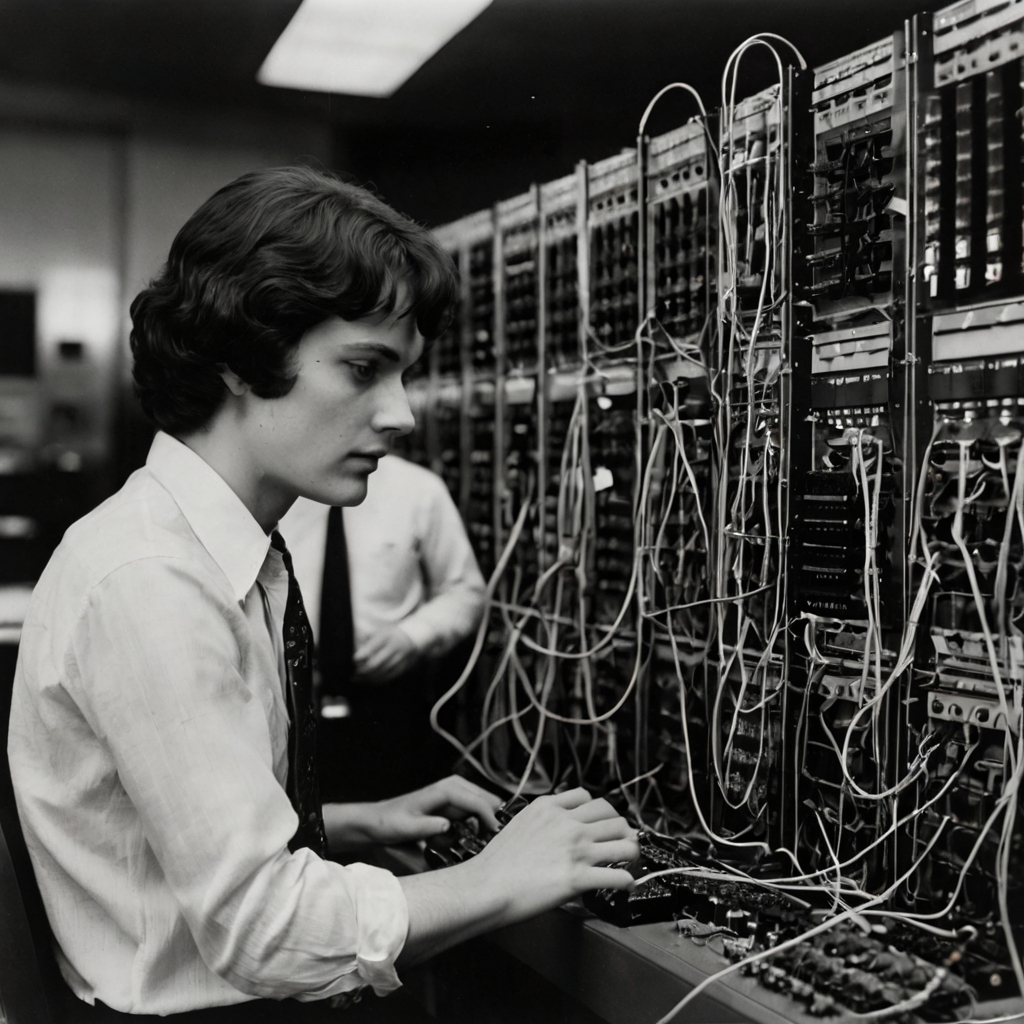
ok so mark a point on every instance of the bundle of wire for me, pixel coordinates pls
(707, 598)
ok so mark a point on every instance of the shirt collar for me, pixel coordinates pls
(217, 516)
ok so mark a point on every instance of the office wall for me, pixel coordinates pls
(166, 181)
(86, 219)
(59, 237)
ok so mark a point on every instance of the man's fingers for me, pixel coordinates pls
(465, 798)
(375, 647)
(388, 663)
(463, 808)
(364, 664)
(570, 799)
(594, 810)
(373, 662)
(607, 878)
(613, 852)
(426, 826)
(368, 649)
(366, 673)
(486, 815)
(471, 787)
(610, 828)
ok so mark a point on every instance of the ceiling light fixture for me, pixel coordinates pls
(362, 47)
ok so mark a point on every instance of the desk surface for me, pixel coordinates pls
(636, 975)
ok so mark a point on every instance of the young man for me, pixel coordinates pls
(159, 738)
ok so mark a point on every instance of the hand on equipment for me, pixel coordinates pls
(556, 848)
(413, 816)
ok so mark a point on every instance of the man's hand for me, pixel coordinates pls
(385, 656)
(418, 815)
(553, 850)
(556, 848)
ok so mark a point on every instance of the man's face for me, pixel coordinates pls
(323, 439)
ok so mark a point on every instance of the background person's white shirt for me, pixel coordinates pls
(148, 749)
(410, 561)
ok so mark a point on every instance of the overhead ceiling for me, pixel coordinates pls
(526, 90)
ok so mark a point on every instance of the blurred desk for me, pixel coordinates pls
(14, 600)
(13, 608)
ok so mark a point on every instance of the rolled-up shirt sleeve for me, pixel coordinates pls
(455, 587)
(163, 686)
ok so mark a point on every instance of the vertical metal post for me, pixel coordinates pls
(583, 254)
(498, 453)
(908, 395)
(912, 40)
(643, 436)
(468, 379)
(583, 268)
(542, 393)
(785, 157)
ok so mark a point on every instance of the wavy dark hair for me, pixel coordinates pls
(262, 261)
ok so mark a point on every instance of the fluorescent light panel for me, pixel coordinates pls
(362, 47)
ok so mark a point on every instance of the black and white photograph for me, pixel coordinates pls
(512, 511)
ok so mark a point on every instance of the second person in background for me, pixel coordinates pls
(416, 591)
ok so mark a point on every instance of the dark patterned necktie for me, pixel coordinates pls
(303, 788)
(337, 640)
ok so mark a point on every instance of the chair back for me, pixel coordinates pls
(22, 991)
(28, 970)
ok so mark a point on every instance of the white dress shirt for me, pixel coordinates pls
(410, 561)
(148, 748)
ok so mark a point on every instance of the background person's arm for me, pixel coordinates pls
(386, 655)
(455, 586)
